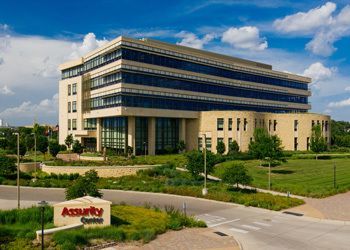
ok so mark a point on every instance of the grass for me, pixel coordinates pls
(306, 177)
(128, 223)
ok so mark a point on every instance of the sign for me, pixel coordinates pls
(88, 210)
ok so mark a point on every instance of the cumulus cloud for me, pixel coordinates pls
(27, 109)
(89, 43)
(247, 38)
(339, 104)
(322, 22)
(306, 22)
(191, 40)
(6, 91)
(318, 72)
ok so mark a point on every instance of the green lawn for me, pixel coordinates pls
(306, 177)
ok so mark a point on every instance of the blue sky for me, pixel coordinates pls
(309, 38)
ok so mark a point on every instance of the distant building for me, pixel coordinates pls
(149, 95)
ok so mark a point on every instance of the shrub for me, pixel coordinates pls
(84, 185)
(7, 166)
(220, 147)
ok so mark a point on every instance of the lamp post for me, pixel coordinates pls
(42, 205)
(18, 189)
(205, 190)
(35, 152)
(268, 159)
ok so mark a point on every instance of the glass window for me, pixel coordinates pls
(69, 124)
(270, 124)
(229, 124)
(208, 143)
(74, 88)
(238, 123)
(245, 124)
(167, 135)
(69, 89)
(295, 143)
(296, 125)
(74, 106)
(200, 143)
(308, 143)
(74, 124)
(69, 107)
(326, 126)
(90, 124)
(220, 124)
(114, 133)
(274, 125)
(230, 141)
(141, 135)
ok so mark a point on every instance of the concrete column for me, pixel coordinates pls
(182, 130)
(151, 136)
(131, 133)
(98, 135)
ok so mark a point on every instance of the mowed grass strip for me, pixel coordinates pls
(306, 177)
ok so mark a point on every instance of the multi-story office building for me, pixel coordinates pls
(149, 95)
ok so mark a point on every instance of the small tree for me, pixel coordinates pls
(317, 142)
(265, 145)
(69, 140)
(236, 174)
(54, 148)
(77, 147)
(84, 185)
(7, 166)
(220, 147)
(42, 143)
(195, 162)
(181, 146)
(233, 148)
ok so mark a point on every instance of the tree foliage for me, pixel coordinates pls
(195, 162)
(84, 185)
(69, 140)
(54, 147)
(265, 145)
(181, 146)
(7, 166)
(233, 148)
(42, 143)
(220, 147)
(318, 143)
(77, 147)
(236, 174)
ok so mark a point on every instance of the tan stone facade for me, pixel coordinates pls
(293, 129)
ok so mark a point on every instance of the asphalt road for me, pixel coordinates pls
(254, 228)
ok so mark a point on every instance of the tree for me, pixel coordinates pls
(29, 141)
(84, 185)
(317, 142)
(42, 143)
(236, 174)
(181, 146)
(7, 166)
(195, 162)
(54, 147)
(220, 147)
(69, 140)
(233, 148)
(77, 147)
(265, 145)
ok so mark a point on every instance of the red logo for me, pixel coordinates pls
(92, 211)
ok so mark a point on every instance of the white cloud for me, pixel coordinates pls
(318, 72)
(347, 88)
(306, 22)
(29, 111)
(191, 40)
(89, 43)
(339, 104)
(323, 23)
(247, 37)
(6, 91)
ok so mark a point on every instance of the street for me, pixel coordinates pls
(254, 228)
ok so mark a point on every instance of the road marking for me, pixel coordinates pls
(238, 230)
(262, 224)
(251, 227)
(225, 222)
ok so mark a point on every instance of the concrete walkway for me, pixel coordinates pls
(186, 239)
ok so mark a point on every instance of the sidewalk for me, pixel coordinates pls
(186, 239)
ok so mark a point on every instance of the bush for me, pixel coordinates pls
(84, 185)
(7, 166)
(236, 174)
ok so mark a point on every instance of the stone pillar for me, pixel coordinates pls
(151, 136)
(182, 129)
(131, 134)
(98, 135)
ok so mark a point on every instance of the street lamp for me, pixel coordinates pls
(205, 190)
(34, 153)
(18, 190)
(42, 205)
(268, 159)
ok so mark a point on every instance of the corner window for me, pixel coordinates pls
(74, 88)
(220, 124)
